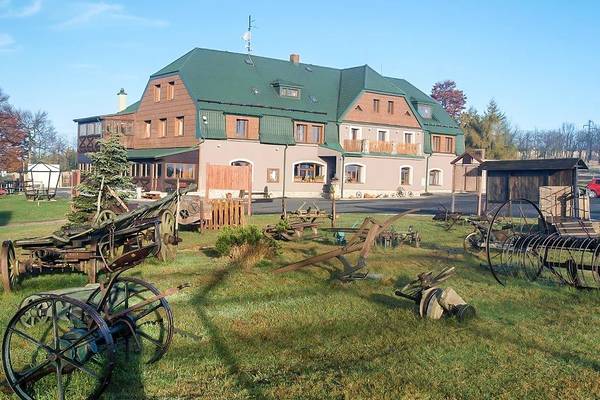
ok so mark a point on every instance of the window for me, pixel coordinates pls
(355, 173)
(316, 134)
(355, 133)
(179, 126)
(241, 128)
(301, 133)
(240, 163)
(435, 177)
(309, 172)
(382, 135)
(405, 176)
(171, 90)
(156, 93)
(163, 127)
(181, 171)
(82, 131)
(147, 128)
(408, 137)
(289, 92)
(442, 144)
(140, 170)
(390, 107)
(424, 110)
(376, 105)
(272, 175)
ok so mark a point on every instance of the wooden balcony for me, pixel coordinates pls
(379, 146)
(407, 148)
(353, 145)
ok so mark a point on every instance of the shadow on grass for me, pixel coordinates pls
(5, 217)
(210, 252)
(218, 277)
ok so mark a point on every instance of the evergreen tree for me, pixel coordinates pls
(109, 165)
(490, 131)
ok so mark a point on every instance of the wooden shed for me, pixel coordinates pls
(518, 179)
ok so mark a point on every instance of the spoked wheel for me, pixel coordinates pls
(152, 323)
(514, 228)
(69, 354)
(168, 247)
(105, 217)
(473, 243)
(8, 266)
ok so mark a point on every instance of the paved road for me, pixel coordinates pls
(465, 203)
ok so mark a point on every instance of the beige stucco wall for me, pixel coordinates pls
(262, 157)
(442, 162)
(382, 176)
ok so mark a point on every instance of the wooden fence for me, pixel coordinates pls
(226, 212)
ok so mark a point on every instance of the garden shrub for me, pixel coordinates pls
(245, 245)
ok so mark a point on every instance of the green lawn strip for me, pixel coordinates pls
(301, 335)
(15, 209)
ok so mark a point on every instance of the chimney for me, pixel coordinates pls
(122, 98)
(295, 58)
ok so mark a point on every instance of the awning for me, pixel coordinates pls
(136, 154)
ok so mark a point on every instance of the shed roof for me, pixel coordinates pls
(524, 165)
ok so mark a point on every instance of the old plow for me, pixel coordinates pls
(529, 246)
(361, 241)
(96, 248)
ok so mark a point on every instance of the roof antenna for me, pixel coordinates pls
(247, 36)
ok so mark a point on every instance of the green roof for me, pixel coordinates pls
(276, 130)
(157, 153)
(225, 82)
(131, 108)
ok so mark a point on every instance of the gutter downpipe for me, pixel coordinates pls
(342, 176)
(283, 199)
(427, 174)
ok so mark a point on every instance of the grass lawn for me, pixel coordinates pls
(257, 335)
(14, 209)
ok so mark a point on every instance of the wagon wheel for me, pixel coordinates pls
(105, 217)
(69, 354)
(473, 243)
(152, 323)
(8, 266)
(168, 247)
(507, 245)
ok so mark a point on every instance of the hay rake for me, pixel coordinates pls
(533, 249)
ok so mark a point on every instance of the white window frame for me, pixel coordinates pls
(363, 176)
(386, 136)
(147, 128)
(412, 135)
(322, 164)
(411, 174)
(180, 126)
(360, 135)
(164, 128)
(441, 171)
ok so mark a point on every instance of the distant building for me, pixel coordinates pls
(291, 121)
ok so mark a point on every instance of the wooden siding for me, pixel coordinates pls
(230, 125)
(402, 115)
(502, 185)
(181, 106)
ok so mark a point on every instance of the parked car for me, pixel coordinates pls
(3, 192)
(593, 187)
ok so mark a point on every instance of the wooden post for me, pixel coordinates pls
(249, 189)
(479, 191)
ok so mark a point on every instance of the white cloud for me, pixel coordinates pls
(92, 11)
(30, 9)
(6, 43)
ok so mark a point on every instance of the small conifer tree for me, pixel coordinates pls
(110, 165)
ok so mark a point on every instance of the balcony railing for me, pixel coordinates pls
(379, 146)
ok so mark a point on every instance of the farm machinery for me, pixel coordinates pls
(64, 344)
(92, 249)
(521, 242)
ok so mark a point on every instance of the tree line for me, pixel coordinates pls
(27, 137)
(491, 130)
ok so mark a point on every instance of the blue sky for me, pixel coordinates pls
(538, 59)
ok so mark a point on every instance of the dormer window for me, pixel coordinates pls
(289, 92)
(287, 89)
(424, 110)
